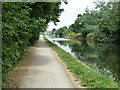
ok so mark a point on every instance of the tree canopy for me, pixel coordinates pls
(22, 23)
(102, 21)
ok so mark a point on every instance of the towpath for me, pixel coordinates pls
(46, 71)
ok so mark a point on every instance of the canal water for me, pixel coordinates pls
(102, 57)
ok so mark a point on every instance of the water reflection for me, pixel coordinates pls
(93, 54)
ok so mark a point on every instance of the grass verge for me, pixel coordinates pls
(89, 77)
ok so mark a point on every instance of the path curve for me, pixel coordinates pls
(46, 70)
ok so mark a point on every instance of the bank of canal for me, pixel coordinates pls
(103, 58)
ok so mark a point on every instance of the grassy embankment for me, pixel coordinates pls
(89, 77)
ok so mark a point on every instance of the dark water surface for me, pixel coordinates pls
(102, 57)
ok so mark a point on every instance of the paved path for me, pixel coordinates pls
(46, 70)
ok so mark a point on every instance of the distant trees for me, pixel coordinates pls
(59, 32)
(53, 31)
(101, 22)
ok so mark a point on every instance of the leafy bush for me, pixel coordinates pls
(21, 27)
(15, 32)
(90, 35)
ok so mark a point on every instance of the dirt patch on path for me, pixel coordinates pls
(17, 76)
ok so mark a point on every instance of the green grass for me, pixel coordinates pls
(89, 77)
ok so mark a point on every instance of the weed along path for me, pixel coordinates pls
(46, 71)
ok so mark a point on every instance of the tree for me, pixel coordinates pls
(102, 21)
(22, 23)
(53, 30)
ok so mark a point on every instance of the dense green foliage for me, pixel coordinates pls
(102, 22)
(89, 77)
(21, 25)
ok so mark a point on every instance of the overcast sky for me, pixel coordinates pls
(71, 10)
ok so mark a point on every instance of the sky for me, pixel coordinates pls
(71, 10)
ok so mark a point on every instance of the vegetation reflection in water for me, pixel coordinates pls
(103, 58)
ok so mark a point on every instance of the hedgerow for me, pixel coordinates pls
(22, 23)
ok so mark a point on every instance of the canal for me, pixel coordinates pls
(102, 57)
